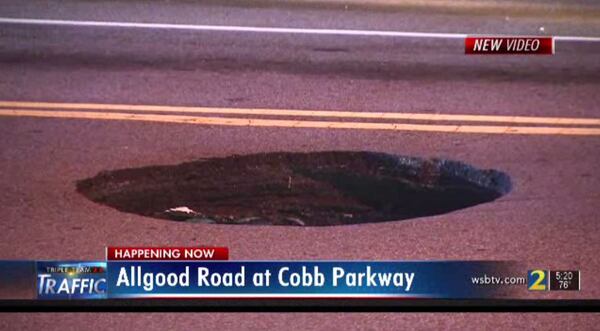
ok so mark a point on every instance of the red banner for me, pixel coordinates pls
(166, 253)
(509, 45)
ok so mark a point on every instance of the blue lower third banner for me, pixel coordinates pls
(264, 279)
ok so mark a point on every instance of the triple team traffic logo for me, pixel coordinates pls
(71, 280)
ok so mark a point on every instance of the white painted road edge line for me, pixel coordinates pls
(224, 28)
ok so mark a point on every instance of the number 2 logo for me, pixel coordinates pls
(537, 280)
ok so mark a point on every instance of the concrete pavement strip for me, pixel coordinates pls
(549, 8)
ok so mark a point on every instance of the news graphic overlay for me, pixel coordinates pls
(298, 279)
(71, 280)
(16, 279)
(553, 280)
(509, 45)
(136, 274)
(565, 280)
(166, 253)
(537, 280)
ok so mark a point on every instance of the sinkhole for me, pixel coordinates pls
(297, 189)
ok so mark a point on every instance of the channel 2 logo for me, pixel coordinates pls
(537, 280)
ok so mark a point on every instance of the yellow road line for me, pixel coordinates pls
(303, 124)
(308, 113)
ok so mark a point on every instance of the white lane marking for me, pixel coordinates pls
(225, 28)
(576, 38)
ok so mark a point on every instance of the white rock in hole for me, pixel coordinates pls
(184, 209)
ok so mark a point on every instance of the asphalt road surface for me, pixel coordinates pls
(549, 220)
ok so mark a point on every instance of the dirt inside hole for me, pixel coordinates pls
(298, 189)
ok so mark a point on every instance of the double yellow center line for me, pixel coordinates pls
(486, 124)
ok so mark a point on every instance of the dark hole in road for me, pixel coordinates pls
(300, 189)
